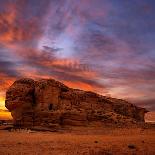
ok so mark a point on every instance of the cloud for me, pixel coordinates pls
(103, 46)
(148, 103)
(45, 63)
(18, 22)
(8, 66)
(2, 110)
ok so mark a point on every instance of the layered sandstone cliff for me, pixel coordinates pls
(51, 104)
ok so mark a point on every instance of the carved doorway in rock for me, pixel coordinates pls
(50, 107)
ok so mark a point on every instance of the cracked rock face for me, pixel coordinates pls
(51, 104)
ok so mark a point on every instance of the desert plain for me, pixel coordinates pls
(79, 141)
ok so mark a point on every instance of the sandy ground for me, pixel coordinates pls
(99, 142)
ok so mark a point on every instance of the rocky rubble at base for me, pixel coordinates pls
(51, 104)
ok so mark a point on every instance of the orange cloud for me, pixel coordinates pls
(4, 115)
(2, 99)
(14, 29)
(6, 21)
(5, 81)
(79, 85)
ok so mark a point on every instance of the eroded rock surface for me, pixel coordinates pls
(51, 104)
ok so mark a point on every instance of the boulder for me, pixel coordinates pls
(49, 103)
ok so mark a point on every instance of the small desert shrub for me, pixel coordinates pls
(131, 146)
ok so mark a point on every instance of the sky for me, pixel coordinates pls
(106, 46)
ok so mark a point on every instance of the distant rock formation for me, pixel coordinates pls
(49, 103)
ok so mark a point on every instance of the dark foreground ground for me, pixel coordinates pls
(134, 141)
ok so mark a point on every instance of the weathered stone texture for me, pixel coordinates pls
(50, 104)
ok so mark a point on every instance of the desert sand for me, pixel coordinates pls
(108, 141)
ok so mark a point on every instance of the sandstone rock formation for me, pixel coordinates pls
(51, 104)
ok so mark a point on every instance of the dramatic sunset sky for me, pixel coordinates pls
(106, 46)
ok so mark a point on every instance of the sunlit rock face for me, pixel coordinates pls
(49, 103)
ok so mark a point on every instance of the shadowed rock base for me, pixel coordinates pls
(51, 104)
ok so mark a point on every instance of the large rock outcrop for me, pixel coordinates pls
(49, 103)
